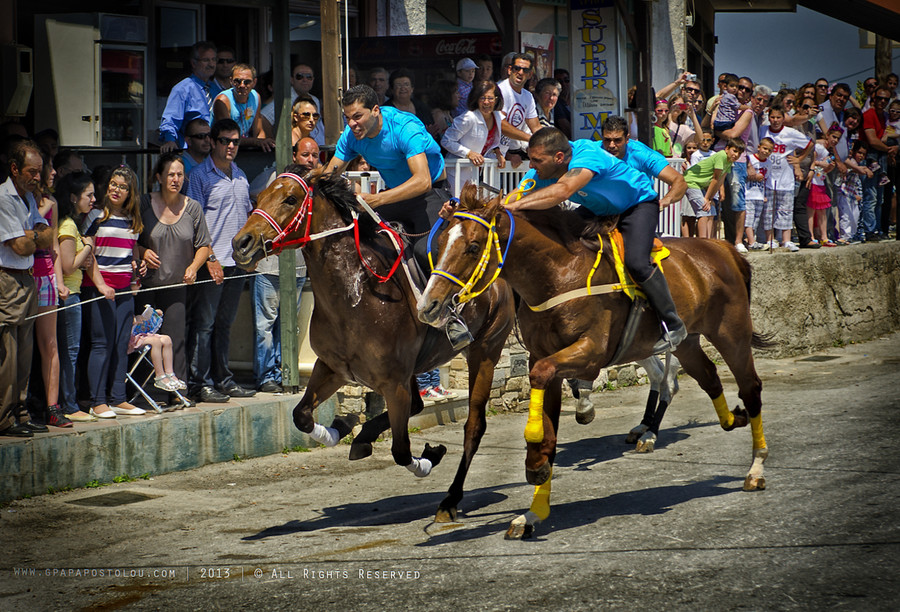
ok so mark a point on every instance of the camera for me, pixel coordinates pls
(690, 76)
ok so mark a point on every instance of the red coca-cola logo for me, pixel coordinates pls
(463, 46)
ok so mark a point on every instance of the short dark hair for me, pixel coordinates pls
(731, 78)
(736, 143)
(223, 125)
(522, 56)
(777, 108)
(552, 140)
(360, 93)
(201, 46)
(443, 91)
(19, 149)
(64, 155)
(226, 49)
(859, 144)
(400, 73)
(843, 86)
(615, 123)
(242, 66)
(481, 88)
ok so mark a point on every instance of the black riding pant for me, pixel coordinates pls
(638, 227)
(418, 215)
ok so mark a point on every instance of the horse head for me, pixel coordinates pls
(280, 215)
(464, 253)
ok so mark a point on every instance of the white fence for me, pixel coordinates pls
(508, 178)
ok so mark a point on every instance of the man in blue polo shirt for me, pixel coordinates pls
(409, 160)
(584, 173)
(642, 158)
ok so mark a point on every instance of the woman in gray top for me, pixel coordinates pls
(174, 245)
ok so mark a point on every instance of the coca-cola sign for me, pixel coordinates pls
(463, 46)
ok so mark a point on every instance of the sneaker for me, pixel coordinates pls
(772, 245)
(429, 394)
(790, 246)
(741, 248)
(758, 246)
(884, 180)
(445, 393)
(56, 418)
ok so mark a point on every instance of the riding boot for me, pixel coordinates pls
(674, 331)
(458, 333)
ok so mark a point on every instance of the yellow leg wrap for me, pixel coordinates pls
(756, 429)
(540, 504)
(726, 419)
(534, 428)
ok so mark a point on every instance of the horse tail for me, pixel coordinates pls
(757, 340)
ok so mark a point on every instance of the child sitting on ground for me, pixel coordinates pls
(143, 333)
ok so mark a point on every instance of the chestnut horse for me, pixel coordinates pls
(365, 331)
(709, 281)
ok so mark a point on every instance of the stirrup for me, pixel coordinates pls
(458, 334)
(669, 339)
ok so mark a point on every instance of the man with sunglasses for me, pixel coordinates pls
(302, 79)
(519, 110)
(241, 104)
(833, 112)
(190, 99)
(222, 77)
(224, 192)
(196, 134)
(874, 124)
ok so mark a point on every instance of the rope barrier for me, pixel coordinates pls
(142, 290)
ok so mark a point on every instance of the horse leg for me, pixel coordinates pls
(481, 374)
(398, 401)
(700, 368)
(522, 527)
(323, 382)
(584, 407)
(736, 351)
(361, 447)
(666, 385)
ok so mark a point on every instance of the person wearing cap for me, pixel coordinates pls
(465, 74)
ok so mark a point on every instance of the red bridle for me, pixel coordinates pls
(278, 244)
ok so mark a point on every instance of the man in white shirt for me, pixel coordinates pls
(519, 110)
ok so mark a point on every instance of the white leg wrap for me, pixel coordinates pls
(529, 518)
(324, 435)
(420, 467)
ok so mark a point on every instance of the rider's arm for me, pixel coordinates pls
(676, 183)
(336, 162)
(554, 194)
(418, 184)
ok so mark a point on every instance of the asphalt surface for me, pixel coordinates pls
(667, 530)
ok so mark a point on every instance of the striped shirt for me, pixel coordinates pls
(226, 204)
(114, 250)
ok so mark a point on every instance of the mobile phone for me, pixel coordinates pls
(682, 106)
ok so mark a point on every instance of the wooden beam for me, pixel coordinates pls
(331, 70)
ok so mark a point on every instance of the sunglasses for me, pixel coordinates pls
(303, 75)
(744, 88)
(228, 141)
(223, 60)
(244, 82)
(519, 69)
(807, 107)
(692, 89)
(200, 136)
(881, 98)
(822, 85)
(307, 115)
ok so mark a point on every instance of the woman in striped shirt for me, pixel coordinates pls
(115, 233)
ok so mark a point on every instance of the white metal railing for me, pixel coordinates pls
(508, 178)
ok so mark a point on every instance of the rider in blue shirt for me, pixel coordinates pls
(409, 160)
(584, 173)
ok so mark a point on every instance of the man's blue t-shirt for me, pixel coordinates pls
(402, 136)
(615, 186)
(644, 159)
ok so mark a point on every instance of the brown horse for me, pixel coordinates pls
(365, 331)
(710, 283)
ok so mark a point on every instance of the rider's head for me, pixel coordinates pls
(615, 135)
(362, 111)
(549, 151)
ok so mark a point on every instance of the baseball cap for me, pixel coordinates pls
(465, 64)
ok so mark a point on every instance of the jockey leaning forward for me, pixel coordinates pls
(584, 173)
(409, 161)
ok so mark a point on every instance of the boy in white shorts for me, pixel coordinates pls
(755, 195)
(781, 176)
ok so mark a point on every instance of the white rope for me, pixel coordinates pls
(144, 290)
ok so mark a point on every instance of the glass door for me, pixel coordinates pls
(122, 78)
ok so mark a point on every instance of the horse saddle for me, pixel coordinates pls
(657, 254)
(415, 263)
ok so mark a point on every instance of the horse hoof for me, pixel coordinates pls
(583, 418)
(539, 476)
(446, 515)
(645, 446)
(519, 531)
(360, 450)
(635, 434)
(755, 483)
(345, 424)
(434, 453)
(741, 418)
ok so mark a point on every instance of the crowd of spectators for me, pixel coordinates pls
(797, 168)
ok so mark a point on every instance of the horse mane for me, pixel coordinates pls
(339, 191)
(575, 232)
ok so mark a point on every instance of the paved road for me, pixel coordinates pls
(669, 530)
